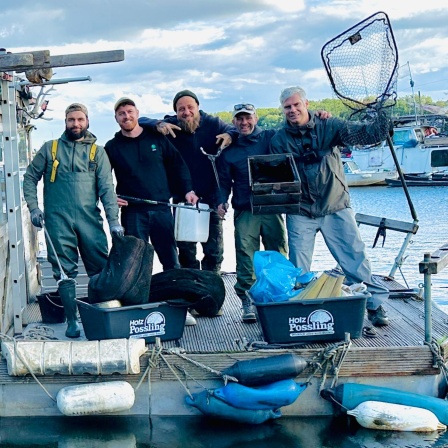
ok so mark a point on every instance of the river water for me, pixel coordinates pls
(190, 432)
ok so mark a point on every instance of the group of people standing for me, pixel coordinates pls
(164, 160)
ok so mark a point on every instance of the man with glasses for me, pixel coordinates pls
(325, 204)
(196, 134)
(249, 229)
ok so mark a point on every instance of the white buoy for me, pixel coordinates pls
(96, 398)
(395, 417)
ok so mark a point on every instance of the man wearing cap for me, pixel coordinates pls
(147, 166)
(76, 174)
(193, 133)
(249, 229)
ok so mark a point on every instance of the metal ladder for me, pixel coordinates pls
(13, 200)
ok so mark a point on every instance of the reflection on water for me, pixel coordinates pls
(199, 432)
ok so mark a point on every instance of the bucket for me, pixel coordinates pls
(191, 225)
(51, 308)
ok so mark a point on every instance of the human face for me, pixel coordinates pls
(188, 113)
(76, 124)
(296, 110)
(127, 117)
(245, 123)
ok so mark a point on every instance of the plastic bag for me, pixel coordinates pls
(276, 277)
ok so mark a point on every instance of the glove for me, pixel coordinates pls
(117, 230)
(37, 216)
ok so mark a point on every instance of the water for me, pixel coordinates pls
(163, 432)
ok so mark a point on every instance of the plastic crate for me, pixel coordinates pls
(312, 320)
(147, 321)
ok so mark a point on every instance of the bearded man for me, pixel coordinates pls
(76, 174)
(194, 132)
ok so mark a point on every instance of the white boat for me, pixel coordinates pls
(356, 177)
(416, 153)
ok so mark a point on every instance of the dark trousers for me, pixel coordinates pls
(213, 248)
(158, 227)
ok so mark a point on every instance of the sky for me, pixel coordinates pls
(227, 52)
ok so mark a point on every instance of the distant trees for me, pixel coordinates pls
(272, 118)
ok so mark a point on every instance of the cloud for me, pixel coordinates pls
(227, 52)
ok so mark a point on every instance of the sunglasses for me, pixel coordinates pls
(244, 106)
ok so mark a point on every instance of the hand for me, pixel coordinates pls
(37, 217)
(191, 197)
(225, 140)
(323, 114)
(117, 230)
(167, 128)
(222, 210)
(122, 202)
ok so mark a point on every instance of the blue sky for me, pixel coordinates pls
(225, 51)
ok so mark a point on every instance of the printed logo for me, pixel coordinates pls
(318, 323)
(152, 325)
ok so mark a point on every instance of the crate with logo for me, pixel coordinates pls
(312, 320)
(165, 320)
(275, 184)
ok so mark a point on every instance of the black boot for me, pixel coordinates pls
(67, 291)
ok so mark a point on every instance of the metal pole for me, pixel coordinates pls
(428, 299)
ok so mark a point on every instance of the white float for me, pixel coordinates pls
(97, 398)
(395, 417)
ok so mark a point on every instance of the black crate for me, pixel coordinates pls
(275, 184)
(313, 320)
(147, 321)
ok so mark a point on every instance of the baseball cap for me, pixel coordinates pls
(77, 107)
(243, 108)
(182, 93)
(123, 100)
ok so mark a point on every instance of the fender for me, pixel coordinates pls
(214, 407)
(271, 396)
(350, 395)
(395, 417)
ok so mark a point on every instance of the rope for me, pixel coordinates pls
(226, 378)
(435, 348)
(327, 358)
(25, 363)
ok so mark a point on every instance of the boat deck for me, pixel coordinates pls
(396, 351)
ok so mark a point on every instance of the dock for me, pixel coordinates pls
(396, 356)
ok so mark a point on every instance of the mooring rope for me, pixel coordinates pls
(225, 377)
(25, 363)
(435, 348)
(327, 358)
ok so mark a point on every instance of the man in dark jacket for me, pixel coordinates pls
(147, 166)
(325, 204)
(249, 229)
(194, 132)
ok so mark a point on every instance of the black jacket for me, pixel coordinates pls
(189, 144)
(148, 167)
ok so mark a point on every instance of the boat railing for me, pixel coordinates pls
(432, 264)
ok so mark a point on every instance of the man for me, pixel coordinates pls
(147, 166)
(234, 176)
(193, 132)
(76, 174)
(325, 204)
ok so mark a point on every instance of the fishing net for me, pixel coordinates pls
(362, 64)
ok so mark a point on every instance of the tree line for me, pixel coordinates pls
(272, 118)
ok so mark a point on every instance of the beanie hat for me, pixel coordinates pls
(182, 93)
(75, 107)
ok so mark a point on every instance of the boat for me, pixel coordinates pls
(356, 177)
(169, 370)
(436, 179)
(416, 152)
